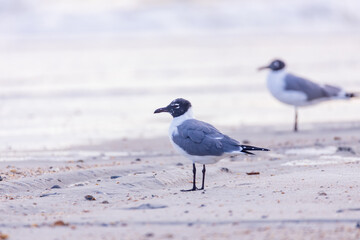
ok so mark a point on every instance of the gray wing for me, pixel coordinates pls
(312, 90)
(201, 139)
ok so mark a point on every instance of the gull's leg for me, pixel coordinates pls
(296, 120)
(194, 181)
(203, 180)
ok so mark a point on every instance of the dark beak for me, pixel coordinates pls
(159, 110)
(262, 68)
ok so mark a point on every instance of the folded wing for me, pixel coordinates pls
(202, 139)
(312, 90)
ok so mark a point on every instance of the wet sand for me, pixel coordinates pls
(306, 187)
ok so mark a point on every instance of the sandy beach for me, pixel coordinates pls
(306, 187)
(82, 156)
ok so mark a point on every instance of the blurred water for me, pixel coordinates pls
(72, 74)
(174, 17)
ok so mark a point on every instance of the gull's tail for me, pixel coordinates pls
(352, 95)
(246, 149)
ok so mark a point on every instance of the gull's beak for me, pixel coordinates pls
(262, 68)
(159, 110)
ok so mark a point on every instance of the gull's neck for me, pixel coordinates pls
(278, 72)
(180, 119)
(276, 75)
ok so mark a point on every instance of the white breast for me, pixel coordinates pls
(276, 85)
(177, 121)
(173, 130)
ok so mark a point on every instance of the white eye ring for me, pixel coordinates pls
(176, 105)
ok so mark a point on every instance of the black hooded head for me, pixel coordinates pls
(176, 108)
(275, 65)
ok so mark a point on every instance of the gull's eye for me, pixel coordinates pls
(276, 64)
(175, 105)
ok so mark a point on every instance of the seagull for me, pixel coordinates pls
(199, 141)
(298, 91)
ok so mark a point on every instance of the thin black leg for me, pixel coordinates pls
(194, 181)
(203, 180)
(296, 120)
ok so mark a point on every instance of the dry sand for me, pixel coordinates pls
(307, 188)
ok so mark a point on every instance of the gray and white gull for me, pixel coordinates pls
(199, 141)
(298, 91)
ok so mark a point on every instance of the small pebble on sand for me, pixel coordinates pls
(3, 236)
(90, 198)
(60, 223)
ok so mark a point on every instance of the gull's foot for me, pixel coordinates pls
(190, 190)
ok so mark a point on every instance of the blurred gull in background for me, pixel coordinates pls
(298, 91)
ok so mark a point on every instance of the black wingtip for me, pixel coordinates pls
(249, 153)
(246, 149)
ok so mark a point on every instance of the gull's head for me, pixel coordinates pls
(275, 65)
(176, 108)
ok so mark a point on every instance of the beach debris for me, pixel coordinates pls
(1, 178)
(245, 141)
(105, 202)
(179, 164)
(138, 159)
(348, 210)
(336, 138)
(55, 186)
(224, 169)
(114, 177)
(90, 198)
(3, 236)
(358, 225)
(345, 149)
(48, 194)
(322, 193)
(147, 206)
(15, 171)
(34, 225)
(253, 173)
(60, 223)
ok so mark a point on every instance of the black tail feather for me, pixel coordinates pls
(352, 95)
(247, 148)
